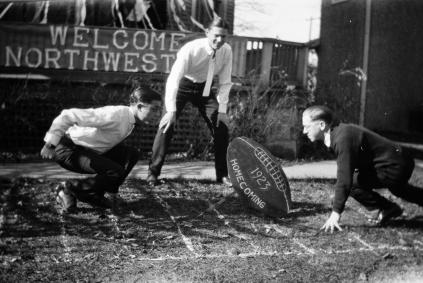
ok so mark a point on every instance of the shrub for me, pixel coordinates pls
(267, 113)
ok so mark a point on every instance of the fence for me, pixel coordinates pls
(268, 56)
(25, 124)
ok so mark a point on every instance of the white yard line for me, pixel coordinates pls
(276, 228)
(213, 206)
(241, 255)
(166, 206)
(307, 249)
(227, 223)
(275, 253)
(358, 238)
(295, 240)
(64, 239)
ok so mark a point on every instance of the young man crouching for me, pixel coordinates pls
(89, 141)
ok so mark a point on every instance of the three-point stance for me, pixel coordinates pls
(365, 161)
(89, 141)
(190, 81)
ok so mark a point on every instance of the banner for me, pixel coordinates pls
(87, 48)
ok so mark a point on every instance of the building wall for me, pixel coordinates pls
(395, 86)
(394, 99)
(340, 53)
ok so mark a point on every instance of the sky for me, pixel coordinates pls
(287, 20)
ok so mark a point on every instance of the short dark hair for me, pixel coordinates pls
(218, 22)
(321, 112)
(144, 95)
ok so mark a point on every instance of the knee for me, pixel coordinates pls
(397, 190)
(357, 191)
(117, 172)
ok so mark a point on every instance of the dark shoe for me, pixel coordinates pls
(385, 215)
(116, 201)
(65, 197)
(152, 180)
(97, 201)
(224, 180)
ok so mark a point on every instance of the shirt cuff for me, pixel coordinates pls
(223, 107)
(52, 139)
(171, 108)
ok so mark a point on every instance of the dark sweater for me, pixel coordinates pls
(359, 148)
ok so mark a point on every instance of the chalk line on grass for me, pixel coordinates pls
(256, 248)
(275, 253)
(361, 241)
(304, 247)
(215, 205)
(275, 227)
(64, 239)
(166, 206)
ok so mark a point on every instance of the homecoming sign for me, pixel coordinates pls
(87, 48)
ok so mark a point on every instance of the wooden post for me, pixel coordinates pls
(266, 64)
(302, 66)
(239, 55)
(363, 88)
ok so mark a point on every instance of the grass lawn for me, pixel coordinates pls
(165, 234)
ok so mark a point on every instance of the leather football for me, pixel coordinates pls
(258, 177)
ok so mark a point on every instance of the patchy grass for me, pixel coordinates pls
(166, 234)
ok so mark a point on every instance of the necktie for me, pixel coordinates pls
(210, 73)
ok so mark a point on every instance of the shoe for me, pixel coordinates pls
(65, 197)
(152, 180)
(115, 200)
(97, 201)
(224, 180)
(385, 215)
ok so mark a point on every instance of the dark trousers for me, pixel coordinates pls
(367, 180)
(111, 168)
(208, 108)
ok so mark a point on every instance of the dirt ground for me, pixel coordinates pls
(166, 234)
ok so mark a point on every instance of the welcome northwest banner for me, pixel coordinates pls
(87, 48)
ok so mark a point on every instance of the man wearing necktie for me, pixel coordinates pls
(190, 80)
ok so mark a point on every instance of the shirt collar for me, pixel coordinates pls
(132, 117)
(327, 138)
(208, 48)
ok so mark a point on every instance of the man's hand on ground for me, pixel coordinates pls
(332, 222)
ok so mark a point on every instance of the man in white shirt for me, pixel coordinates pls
(190, 81)
(89, 141)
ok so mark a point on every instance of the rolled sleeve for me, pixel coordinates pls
(99, 117)
(52, 139)
(60, 125)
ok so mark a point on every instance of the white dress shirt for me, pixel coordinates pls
(99, 129)
(326, 140)
(192, 62)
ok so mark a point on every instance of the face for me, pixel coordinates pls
(216, 37)
(148, 113)
(313, 129)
